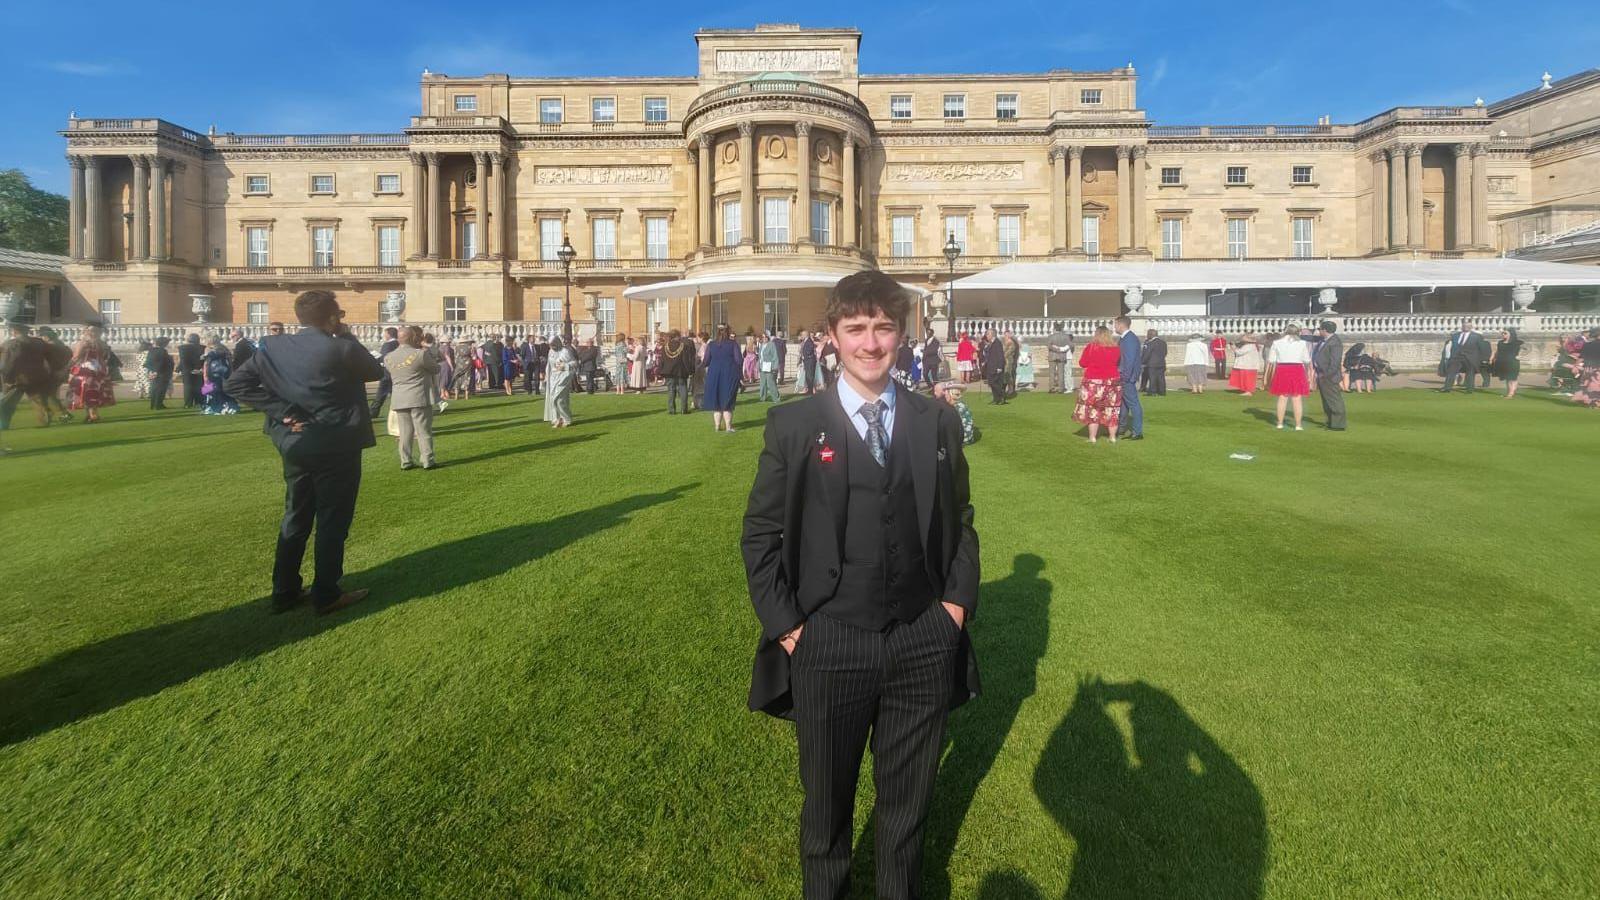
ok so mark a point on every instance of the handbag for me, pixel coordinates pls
(766, 365)
(394, 424)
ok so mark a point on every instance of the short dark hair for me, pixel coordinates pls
(391, 332)
(313, 307)
(1125, 322)
(277, 325)
(1328, 325)
(867, 293)
(18, 328)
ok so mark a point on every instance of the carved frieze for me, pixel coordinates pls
(954, 172)
(780, 60)
(961, 140)
(602, 175)
(593, 142)
(313, 153)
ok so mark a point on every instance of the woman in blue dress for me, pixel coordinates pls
(723, 361)
(217, 367)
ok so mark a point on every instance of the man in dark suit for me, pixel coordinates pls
(24, 371)
(1467, 350)
(492, 363)
(541, 358)
(677, 367)
(191, 362)
(391, 340)
(242, 348)
(932, 359)
(588, 363)
(862, 564)
(1131, 423)
(1328, 361)
(1154, 380)
(994, 367)
(782, 346)
(312, 386)
(158, 362)
(806, 381)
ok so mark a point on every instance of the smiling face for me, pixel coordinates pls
(866, 345)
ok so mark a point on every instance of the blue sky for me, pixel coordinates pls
(354, 67)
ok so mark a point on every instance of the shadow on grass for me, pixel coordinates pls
(547, 444)
(1157, 809)
(1269, 416)
(617, 416)
(117, 442)
(102, 676)
(489, 426)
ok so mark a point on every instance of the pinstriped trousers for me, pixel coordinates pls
(846, 682)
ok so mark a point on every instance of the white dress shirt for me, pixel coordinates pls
(852, 401)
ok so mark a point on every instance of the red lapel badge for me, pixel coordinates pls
(824, 453)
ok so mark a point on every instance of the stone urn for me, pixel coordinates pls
(394, 306)
(1328, 297)
(1523, 294)
(1133, 297)
(200, 305)
(10, 306)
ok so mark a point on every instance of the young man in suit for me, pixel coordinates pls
(1131, 424)
(1467, 351)
(158, 362)
(313, 388)
(862, 564)
(1155, 364)
(1328, 361)
(191, 360)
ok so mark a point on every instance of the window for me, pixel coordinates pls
(257, 184)
(1238, 175)
(111, 312)
(550, 110)
(1089, 97)
(655, 237)
(550, 309)
(256, 312)
(605, 238)
(1300, 228)
(605, 310)
(655, 316)
(455, 309)
(469, 239)
(821, 222)
(775, 220)
(955, 106)
(1301, 175)
(775, 311)
(322, 184)
(1005, 106)
(731, 231)
(603, 109)
(389, 245)
(719, 310)
(1091, 235)
(1010, 227)
(388, 184)
(549, 238)
(255, 242)
(899, 106)
(1172, 239)
(902, 234)
(1238, 238)
(955, 225)
(1172, 175)
(466, 103)
(655, 109)
(322, 246)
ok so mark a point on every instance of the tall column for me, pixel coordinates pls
(481, 160)
(497, 205)
(1075, 198)
(1480, 196)
(1058, 199)
(747, 183)
(704, 161)
(159, 238)
(141, 208)
(435, 206)
(94, 211)
(418, 226)
(75, 208)
(1380, 201)
(1124, 198)
(848, 151)
(802, 135)
(1461, 204)
(1416, 236)
(1141, 231)
(1397, 197)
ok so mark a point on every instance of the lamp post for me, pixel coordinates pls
(952, 251)
(567, 255)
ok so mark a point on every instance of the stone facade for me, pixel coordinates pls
(779, 153)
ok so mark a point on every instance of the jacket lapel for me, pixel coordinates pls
(921, 421)
(833, 427)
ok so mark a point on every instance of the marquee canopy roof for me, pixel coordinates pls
(1255, 274)
(728, 282)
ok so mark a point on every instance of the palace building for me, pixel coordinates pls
(740, 193)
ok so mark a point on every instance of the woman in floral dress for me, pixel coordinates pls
(90, 387)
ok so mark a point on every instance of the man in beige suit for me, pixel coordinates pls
(411, 370)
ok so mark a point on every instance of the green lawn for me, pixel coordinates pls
(1361, 665)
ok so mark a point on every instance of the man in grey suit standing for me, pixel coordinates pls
(1467, 352)
(1327, 359)
(412, 370)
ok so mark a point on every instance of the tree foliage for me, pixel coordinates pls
(31, 219)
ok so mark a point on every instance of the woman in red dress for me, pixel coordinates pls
(1288, 363)
(90, 387)
(966, 352)
(1100, 392)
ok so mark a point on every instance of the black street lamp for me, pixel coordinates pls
(952, 252)
(566, 254)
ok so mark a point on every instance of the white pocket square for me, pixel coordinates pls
(941, 454)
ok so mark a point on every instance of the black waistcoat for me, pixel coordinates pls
(883, 577)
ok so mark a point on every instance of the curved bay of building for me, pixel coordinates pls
(780, 156)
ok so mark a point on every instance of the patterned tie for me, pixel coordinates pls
(873, 413)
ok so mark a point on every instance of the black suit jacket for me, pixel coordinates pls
(242, 352)
(794, 526)
(316, 378)
(1328, 358)
(994, 359)
(190, 357)
(1474, 350)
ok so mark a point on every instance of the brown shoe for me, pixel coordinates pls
(348, 598)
